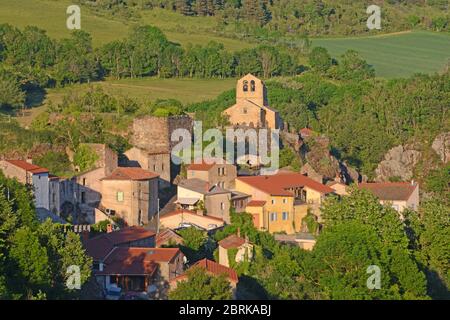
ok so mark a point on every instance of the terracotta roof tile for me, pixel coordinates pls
(278, 184)
(213, 268)
(166, 235)
(137, 261)
(217, 269)
(100, 246)
(256, 203)
(390, 191)
(232, 241)
(28, 166)
(130, 173)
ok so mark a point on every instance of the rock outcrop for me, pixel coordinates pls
(441, 145)
(398, 162)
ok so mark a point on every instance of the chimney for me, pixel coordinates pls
(29, 160)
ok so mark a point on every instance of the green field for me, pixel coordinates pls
(51, 15)
(148, 89)
(398, 55)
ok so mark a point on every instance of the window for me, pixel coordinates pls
(120, 196)
(285, 216)
(284, 200)
(252, 85)
(245, 86)
(244, 110)
(84, 181)
(162, 167)
(154, 167)
(222, 206)
(273, 201)
(273, 216)
(83, 197)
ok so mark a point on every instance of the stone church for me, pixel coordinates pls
(252, 108)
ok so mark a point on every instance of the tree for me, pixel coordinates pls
(202, 286)
(194, 243)
(84, 157)
(11, 95)
(344, 252)
(320, 59)
(363, 206)
(353, 67)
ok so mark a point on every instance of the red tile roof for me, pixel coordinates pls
(100, 246)
(256, 203)
(217, 269)
(166, 235)
(390, 191)
(306, 132)
(28, 166)
(129, 173)
(232, 241)
(212, 268)
(137, 261)
(277, 184)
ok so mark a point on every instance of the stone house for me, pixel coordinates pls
(130, 194)
(234, 243)
(222, 175)
(252, 108)
(216, 200)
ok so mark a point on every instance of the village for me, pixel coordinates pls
(144, 199)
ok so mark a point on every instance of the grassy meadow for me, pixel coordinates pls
(51, 15)
(396, 55)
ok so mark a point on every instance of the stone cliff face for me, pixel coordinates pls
(401, 161)
(441, 145)
(398, 162)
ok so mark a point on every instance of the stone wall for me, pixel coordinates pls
(153, 133)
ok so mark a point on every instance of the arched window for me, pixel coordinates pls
(245, 86)
(252, 85)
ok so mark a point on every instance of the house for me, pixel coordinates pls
(399, 195)
(35, 176)
(304, 240)
(252, 108)
(157, 161)
(80, 195)
(168, 237)
(141, 269)
(240, 247)
(338, 187)
(185, 218)
(130, 194)
(129, 260)
(214, 173)
(279, 202)
(214, 269)
(216, 200)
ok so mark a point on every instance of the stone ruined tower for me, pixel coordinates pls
(252, 89)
